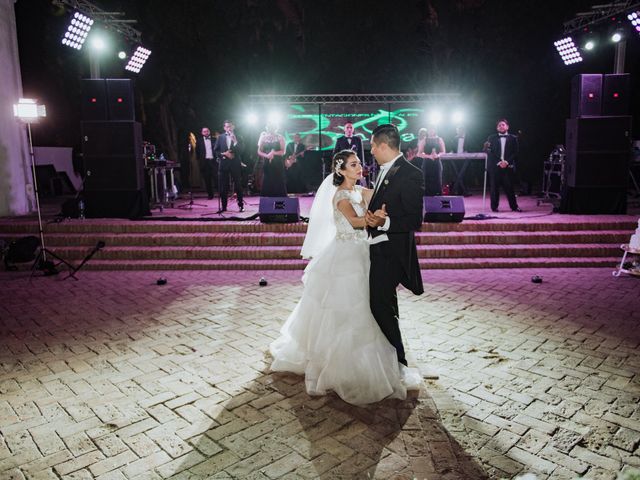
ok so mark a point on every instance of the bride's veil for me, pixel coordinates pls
(322, 226)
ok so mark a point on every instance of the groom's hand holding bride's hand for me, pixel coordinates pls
(377, 218)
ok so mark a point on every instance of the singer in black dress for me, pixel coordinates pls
(271, 149)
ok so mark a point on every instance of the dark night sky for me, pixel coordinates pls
(209, 55)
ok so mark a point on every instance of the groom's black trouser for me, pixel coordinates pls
(384, 278)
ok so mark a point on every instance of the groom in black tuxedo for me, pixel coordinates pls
(394, 215)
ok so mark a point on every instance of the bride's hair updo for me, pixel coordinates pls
(340, 163)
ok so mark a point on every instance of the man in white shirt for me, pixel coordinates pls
(206, 160)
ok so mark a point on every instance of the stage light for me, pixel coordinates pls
(616, 37)
(28, 110)
(589, 45)
(98, 43)
(634, 18)
(122, 55)
(77, 31)
(138, 60)
(434, 117)
(568, 51)
(274, 117)
(252, 118)
(457, 117)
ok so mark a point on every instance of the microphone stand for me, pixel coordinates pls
(99, 246)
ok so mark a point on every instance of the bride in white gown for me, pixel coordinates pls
(331, 337)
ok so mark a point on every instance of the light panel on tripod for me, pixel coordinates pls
(568, 51)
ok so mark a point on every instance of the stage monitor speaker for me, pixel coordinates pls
(120, 99)
(616, 97)
(112, 154)
(594, 201)
(443, 209)
(598, 151)
(279, 210)
(116, 204)
(94, 100)
(586, 95)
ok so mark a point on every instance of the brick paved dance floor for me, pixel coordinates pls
(114, 377)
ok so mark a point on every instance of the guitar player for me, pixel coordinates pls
(293, 171)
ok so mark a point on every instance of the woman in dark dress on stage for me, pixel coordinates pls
(271, 150)
(429, 149)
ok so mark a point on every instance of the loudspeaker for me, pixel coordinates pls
(279, 210)
(594, 200)
(130, 204)
(443, 209)
(120, 99)
(598, 151)
(94, 100)
(586, 95)
(113, 155)
(615, 94)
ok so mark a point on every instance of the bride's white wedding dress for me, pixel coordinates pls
(331, 336)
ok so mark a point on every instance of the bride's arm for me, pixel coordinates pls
(367, 193)
(350, 214)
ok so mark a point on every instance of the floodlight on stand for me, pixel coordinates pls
(590, 45)
(28, 110)
(634, 18)
(77, 31)
(568, 51)
(138, 59)
(122, 55)
(616, 37)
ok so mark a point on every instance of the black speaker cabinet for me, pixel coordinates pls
(94, 100)
(279, 210)
(586, 95)
(598, 151)
(616, 96)
(116, 204)
(443, 209)
(120, 99)
(112, 154)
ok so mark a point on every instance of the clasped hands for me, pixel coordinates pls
(228, 154)
(503, 164)
(377, 218)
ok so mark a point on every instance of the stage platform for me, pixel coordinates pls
(175, 238)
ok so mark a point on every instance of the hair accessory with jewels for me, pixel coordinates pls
(339, 163)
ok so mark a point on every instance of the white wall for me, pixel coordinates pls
(15, 171)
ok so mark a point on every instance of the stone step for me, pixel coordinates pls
(293, 252)
(295, 239)
(565, 223)
(425, 264)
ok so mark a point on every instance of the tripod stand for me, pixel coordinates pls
(190, 204)
(41, 262)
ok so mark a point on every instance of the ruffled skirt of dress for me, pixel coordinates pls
(331, 336)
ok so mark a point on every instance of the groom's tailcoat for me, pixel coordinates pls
(401, 192)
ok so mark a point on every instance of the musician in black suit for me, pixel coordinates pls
(502, 153)
(349, 141)
(393, 217)
(293, 171)
(207, 161)
(228, 151)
